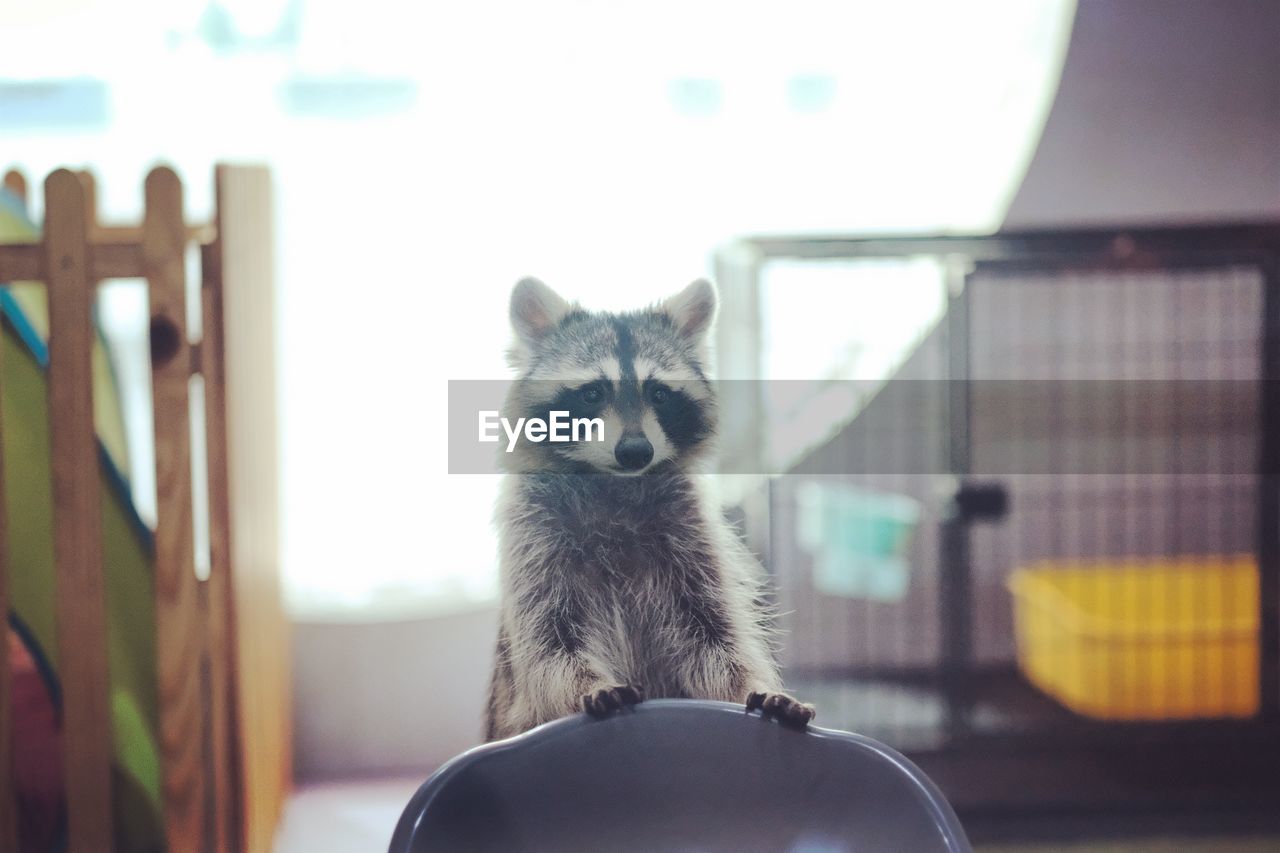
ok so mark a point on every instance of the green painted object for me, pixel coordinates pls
(131, 640)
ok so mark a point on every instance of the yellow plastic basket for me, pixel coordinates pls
(1141, 639)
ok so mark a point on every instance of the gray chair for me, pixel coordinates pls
(679, 775)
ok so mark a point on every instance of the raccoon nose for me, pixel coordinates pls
(633, 452)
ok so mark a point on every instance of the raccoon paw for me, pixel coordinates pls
(602, 702)
(781, 707)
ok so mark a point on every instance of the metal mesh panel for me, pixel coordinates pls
(1120, 413)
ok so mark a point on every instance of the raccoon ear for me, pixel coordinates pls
(535, 310)
(693, 308)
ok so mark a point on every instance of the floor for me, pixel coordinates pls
(358, 817)
(344, 817)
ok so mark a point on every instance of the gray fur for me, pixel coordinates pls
(613, 582)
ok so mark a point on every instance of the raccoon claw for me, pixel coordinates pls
(601, 703)
(781, 707)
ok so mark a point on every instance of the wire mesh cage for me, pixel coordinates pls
(1040, 552)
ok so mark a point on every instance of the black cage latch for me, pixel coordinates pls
(979, 502)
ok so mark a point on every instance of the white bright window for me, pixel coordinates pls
(427, 155)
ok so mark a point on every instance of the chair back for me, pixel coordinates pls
(679, 775)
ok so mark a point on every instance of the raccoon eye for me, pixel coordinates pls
(591, 394)
(660, 394)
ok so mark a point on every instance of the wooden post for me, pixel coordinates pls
(180, 625)
(77, 516)
(8, 806)
(228, 825)
(261, 660)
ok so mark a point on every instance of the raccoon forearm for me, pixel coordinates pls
(553, 661)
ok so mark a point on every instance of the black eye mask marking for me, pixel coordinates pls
(680, 416)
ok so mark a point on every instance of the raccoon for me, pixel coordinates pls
(620, 577)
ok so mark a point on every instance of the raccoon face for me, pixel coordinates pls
(639, 377)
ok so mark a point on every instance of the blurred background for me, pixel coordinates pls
(425, 156)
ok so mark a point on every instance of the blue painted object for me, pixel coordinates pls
(71, 103)
(679, 775)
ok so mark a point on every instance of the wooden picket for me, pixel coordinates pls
(225, 761)
(77, 518)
